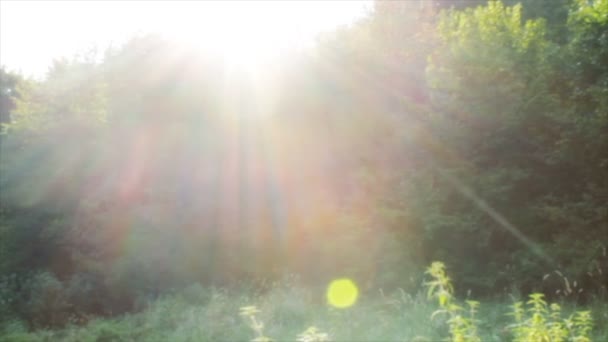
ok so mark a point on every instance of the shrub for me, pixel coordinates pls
(462, 328)
(543, 322)
(539, 322)
(249, 313)
(45, 303)
(8, 296)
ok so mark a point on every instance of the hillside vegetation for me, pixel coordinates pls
(149, 191)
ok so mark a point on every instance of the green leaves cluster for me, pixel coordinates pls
(463, 327)
(543, 322)
(538, 322)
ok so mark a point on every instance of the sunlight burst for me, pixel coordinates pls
(244, 33)
(247, 34)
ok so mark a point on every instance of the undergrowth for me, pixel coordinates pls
(289, 312)
(534, 321)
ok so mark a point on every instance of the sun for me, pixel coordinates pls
(243, 36)
(251, 34)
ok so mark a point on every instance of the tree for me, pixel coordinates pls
(9, 91)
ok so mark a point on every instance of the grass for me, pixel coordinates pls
(199, 314)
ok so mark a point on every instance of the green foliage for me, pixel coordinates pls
(211, 315)
(249, 314)
(543, 322)
(489, 85)
(538, 322)
(462, 328)
(9, 93)
(507, 117)
(312, 334)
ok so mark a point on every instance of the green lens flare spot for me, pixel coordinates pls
(342, 293)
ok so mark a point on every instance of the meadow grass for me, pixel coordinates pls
(286, 311)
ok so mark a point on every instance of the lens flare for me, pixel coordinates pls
(342, 293)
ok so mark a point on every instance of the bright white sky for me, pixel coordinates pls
(32, 33)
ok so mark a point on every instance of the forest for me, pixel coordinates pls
(150, 192)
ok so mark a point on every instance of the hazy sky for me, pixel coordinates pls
(32, 33)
